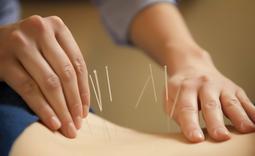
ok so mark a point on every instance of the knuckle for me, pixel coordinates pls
(66, 119)
(19, 38)
(57, 21)
(35, 18)
(52, 82)
(36, 23)
(185, 109)
(211, 104)
(44, 111)
(75, 109)
(67, 74)
(205, 78)
(80, 66)
(231, 102)
(186, 84)
(42, 108)
(188, 108)
(27, 86)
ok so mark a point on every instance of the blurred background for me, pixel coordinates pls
(224, 28)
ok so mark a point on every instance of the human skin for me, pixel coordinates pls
(41, 61)
(99, 137)
(160, 31)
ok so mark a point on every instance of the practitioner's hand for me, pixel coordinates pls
(203, 87)
(41, 61)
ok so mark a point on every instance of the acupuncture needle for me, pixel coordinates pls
(108, 82)
(153, 84)
(175, 102)
(142, 92)
(100, 99)
(94, 89)
(166, 85)
(98, 89)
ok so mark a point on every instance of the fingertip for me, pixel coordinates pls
(246, 127)
(253, 117)
(221, 134)
(251, 112)
(78, 122)
(196, 136)
(85, 111)
(71, 130)
(55, 123)
(85, 98)
(77, 112)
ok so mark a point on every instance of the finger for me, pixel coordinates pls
(186, 113)
(29, 91)
(212, 113)
(173, 89)
(50, 86)
(67, 42)
(235, 112)
(246, 103)
(61, 64)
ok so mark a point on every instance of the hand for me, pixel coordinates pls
(203, 87)
(41, 61)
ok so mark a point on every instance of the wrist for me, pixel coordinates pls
(180, 56)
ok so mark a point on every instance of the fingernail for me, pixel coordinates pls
(71, 131)
(85, 110)
(252, 126)
(247, 127)
(196, 135)
(78, 121)
(56, 124)
(242, 127)
(253, 117)
(85, 99)
(221, 134)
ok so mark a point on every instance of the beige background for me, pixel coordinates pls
(225, 28)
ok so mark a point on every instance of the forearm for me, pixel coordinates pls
(162, 33)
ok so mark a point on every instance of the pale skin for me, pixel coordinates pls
(167, 40)
(41, 61)
(92, 139)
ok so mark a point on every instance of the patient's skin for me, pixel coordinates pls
(98, 137)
